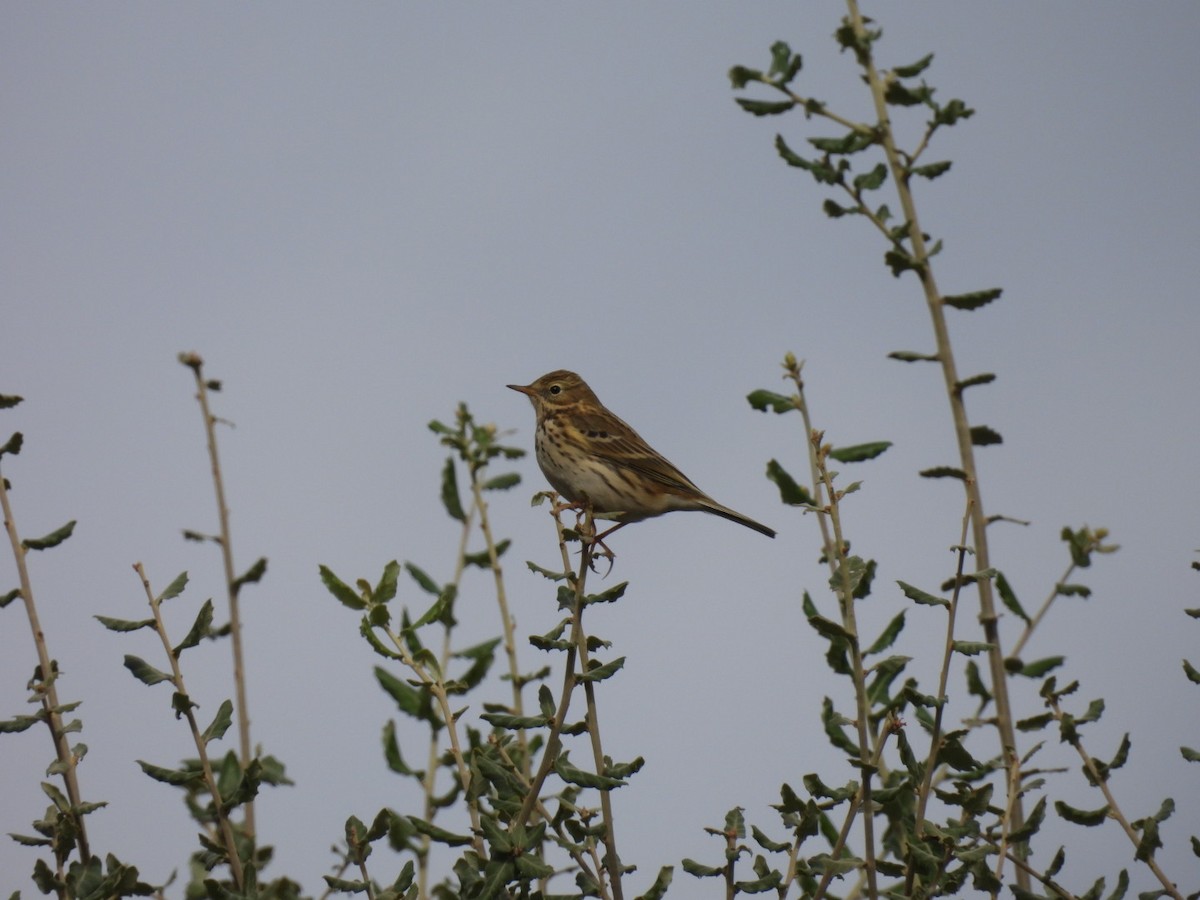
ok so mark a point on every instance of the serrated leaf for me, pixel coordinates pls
(144, 672)
(700, 870)
(599, 673)
(1190, 671)
(1089, 818)
(427, 584)
(1009, 598)
(53, 539)
(440, 835)
(502, 482)
(919, 596)
(764, 107)
(177, 777)
(658, 890)
(944, 472)
(973, 300)
(124, 624)
(1039, 668)
(764, 400)
(873, 180)
(971, 648)
(973, 381)
(860, 452)
(571, 774)
(220, 723)
(450, 498)
(200, 629)
(345, 594)
(175, 588)
(931, 170)
(913, 69)
(888, 636)
(740, 76)
(253, 575)
(790, 491)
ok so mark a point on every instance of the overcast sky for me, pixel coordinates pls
(361, 214)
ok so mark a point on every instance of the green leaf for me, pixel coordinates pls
(764, 107)
(1072, 590)
(983, 436)
(1009, 598)
(1040, 667)
(914, 69)
(573, 775)
(175, 588)
(177, 777)
(450, 498)
(859, 452)
(8, 401)
(919, 596)
(144, 672)
(944, 472)
(973, 381)
(973, 300)
(740, 76)
(700, 870)
(1189, 754)
(440, 835)
(790, 492)
(220, 723)
(911, 356)
(253, 575)
(931, 170)
(53, 539)
(768, 400)
(1033, 822)
(658, 890)
(873, 180)
(414, 701)
(828, 628)
(952, 112)
(1190, 671)
(20, 723)
(124, 624)
(345, 594)
(502, 482)
(888, 636)
(971, 648)
(600, 672)
(13, 445)
(200, 629)
(1086, 817)
(955, 755)
(849, 574)
(823, 863)
(614, 593)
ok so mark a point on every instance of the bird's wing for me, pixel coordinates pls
(616, 443)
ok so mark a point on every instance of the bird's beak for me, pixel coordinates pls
(526, 389)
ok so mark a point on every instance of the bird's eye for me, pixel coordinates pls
(556, 388)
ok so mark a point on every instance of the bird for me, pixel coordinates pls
(598, 462)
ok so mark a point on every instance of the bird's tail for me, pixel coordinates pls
(725, 512)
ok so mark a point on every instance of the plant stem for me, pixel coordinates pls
(196, 364)
(210, 781)
(46, 688)
(962, 429)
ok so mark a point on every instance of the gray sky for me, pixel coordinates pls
(362, 214)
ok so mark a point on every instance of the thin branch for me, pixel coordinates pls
(196, 364)
(45, 686)
(210, 781)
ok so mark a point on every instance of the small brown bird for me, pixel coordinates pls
(592, 457)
